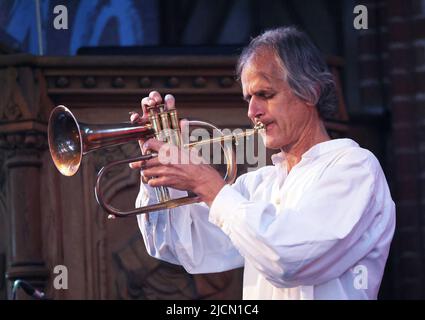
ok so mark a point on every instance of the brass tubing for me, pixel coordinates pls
(69, 140)
(161, 193)
(231, 137)
(175, 127)
(174, 119)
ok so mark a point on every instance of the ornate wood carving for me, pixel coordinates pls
(24, 107)
(22, 171)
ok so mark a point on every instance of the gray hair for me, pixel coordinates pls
(306, 71)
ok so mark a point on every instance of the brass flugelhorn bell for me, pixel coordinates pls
(69, 140)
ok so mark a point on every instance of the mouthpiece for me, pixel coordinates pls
(259, 126)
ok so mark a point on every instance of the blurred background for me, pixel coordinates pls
(100, 57)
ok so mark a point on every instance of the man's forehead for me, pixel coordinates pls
(256, 76)
(264, 65)
(262, 72)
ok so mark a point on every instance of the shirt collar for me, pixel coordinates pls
(277, 158)
(318, 149)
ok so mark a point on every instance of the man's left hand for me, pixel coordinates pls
(181, 169)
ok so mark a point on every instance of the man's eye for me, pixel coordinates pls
(266, 95)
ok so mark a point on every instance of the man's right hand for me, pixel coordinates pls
(152, 100)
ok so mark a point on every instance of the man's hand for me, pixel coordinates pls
(152, 100)
(181, 169)
(175, 167)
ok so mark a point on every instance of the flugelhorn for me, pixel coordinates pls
(69, 140)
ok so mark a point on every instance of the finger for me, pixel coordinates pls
(146, 103)
(184, 131)
(136, 165)
(154, 162)
(144, 146)
(134, 116)
(153, 144)
(155, 96)
(170, 101)
(158, 171)
(159, 182)
(144, 179)
(184, 124)
(141, 143)
(137, 118)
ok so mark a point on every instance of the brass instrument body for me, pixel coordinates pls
(69, 140)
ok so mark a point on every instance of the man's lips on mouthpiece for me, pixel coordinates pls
(267, 124)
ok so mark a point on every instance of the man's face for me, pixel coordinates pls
(272, 102)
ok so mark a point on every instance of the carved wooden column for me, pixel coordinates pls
(22, 139)
(23, 189)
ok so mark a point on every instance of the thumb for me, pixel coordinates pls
(153, 144)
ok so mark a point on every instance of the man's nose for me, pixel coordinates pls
(255, 109)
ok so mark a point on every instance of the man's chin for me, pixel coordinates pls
(274, 145)
(271, 142)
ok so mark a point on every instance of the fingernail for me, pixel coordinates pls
(134, 117)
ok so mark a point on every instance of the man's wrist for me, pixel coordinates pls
(207, 190)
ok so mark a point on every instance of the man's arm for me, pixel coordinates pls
(342, 218)
(184, 236)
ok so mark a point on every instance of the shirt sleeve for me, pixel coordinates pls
(339, 220)
(184, 236)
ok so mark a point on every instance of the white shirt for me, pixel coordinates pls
(323, 231)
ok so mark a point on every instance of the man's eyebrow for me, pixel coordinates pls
(264, 89)
(260, 90)
(271, 76)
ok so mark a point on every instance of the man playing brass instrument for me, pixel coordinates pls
(317, 224)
